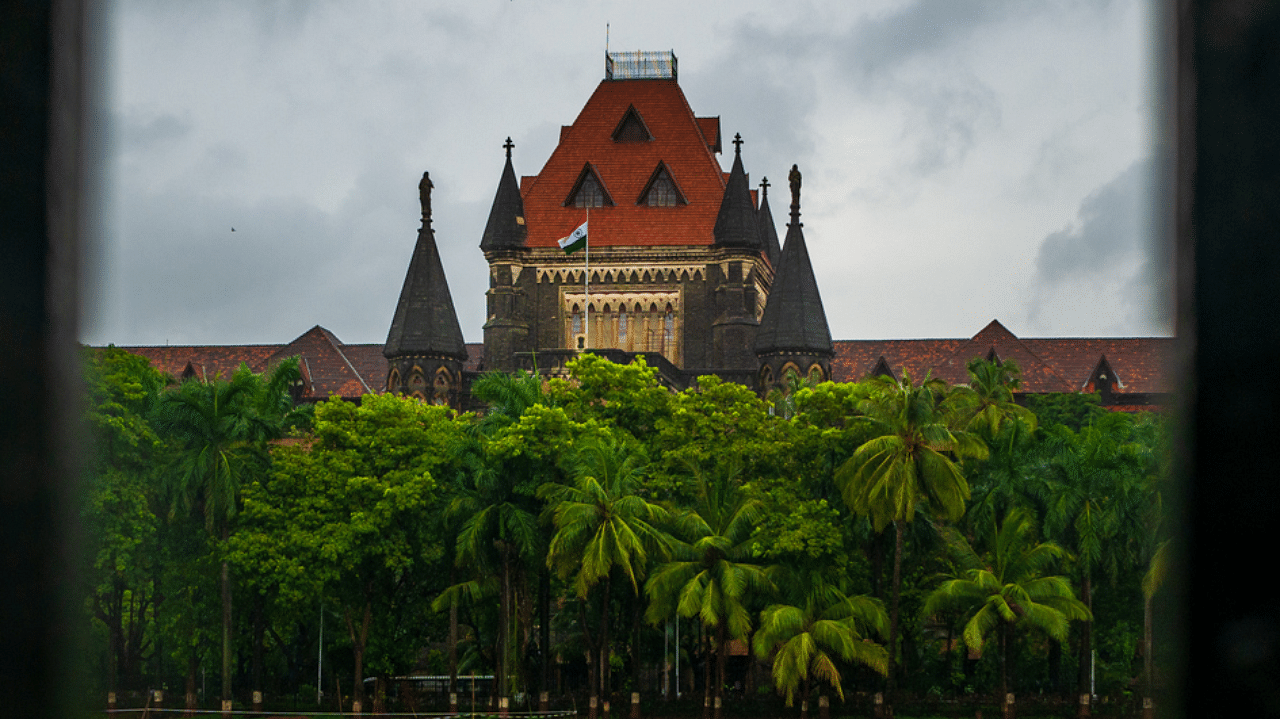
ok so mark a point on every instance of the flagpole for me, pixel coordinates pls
(586, 279)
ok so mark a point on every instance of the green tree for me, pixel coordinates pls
(986, 405)
(1008, 590)
(908, 464)
(817, 625)
(221, 429)
(604, 526)
(345, 517)
(121, 528)
(714, 569)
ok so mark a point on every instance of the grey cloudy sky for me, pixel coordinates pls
(963, 160)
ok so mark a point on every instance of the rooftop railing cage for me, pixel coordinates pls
(640, 65)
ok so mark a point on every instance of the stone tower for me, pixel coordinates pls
(424, 350)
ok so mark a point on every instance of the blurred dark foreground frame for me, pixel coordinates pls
(1220, 212)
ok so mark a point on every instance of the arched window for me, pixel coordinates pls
(622, 327)
(577, 320)
(669, 330)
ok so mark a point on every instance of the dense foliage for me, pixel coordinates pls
(905, 537)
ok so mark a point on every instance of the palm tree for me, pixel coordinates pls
(221, 429)
(818, 622)
(603, 525)
(1097, 496)
(909, 464)
(714, 568)
(1008, 590)
(987, 404)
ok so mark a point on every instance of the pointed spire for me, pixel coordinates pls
(793, 316)
(506, 228)
(768, 233)
(425, 321)
(736, 223)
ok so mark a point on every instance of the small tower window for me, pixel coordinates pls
(622, 327)
(577, 320)
(669, 330)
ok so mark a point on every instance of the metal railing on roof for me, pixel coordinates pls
(640, 65)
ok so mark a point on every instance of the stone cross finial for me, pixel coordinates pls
(737, 143)
(508, 144)
(424, 196)
(764, 186)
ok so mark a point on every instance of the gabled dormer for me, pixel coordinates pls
(661, 190)
(992, 357)
(632, 128)
(1104, 381)
(589, 190)
(881, 369)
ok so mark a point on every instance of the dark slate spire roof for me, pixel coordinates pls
(768, 233)
(506, 228)
(736, 223)
(425, 321)
(793, 316)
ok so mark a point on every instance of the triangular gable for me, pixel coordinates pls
(589, 182)
(660, 175)
(996, 341)
(882, 369)
(631, 128)
(326, 369)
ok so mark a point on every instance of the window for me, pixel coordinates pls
(622, 327)
(669, 330)
(589, 193)
(662, 193)
(577, 320)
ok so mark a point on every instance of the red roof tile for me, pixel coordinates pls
(625, 167)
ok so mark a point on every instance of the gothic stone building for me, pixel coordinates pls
(684, 267)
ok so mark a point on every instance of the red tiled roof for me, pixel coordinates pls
(625, 167)
(1063, 364)
(328, 366)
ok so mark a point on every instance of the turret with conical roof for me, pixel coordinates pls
(737, 238)
(768, 233)
(424, 348)
(506, 329)
(506, 228)
(793, 334)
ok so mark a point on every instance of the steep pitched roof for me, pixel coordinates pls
(679, 141)
(793, 315)
(736, 222)
(326, 368)
(506, 228)
(425, 321)
(1006, 346)
(768, 233)
(1141, 364)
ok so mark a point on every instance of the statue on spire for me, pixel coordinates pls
(424, 196)
(794, 177)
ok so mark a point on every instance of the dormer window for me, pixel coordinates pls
(589, 191)
(661, 190)
(632, 128)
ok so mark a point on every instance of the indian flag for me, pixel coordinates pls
(575, 241)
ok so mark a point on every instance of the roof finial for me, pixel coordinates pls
(764, 187)
(508, 144)
(794, 177)
(424, 196)
(737, 143)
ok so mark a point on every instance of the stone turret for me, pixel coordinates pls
(425, 350)
(737, 236)
(793, 332)
(506, 327)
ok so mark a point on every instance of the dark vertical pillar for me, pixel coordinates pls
(43, 148)
(1228, 233)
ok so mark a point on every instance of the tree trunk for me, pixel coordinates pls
(722, 657)
(226, 621)
(706, 671)
(259, 632)
(605, 687)
(358, 642)
(592, 662)
(544, 636)
(191, 703)
(504, 630)
(1086, 647)
(1148, 682)
(891, 682)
